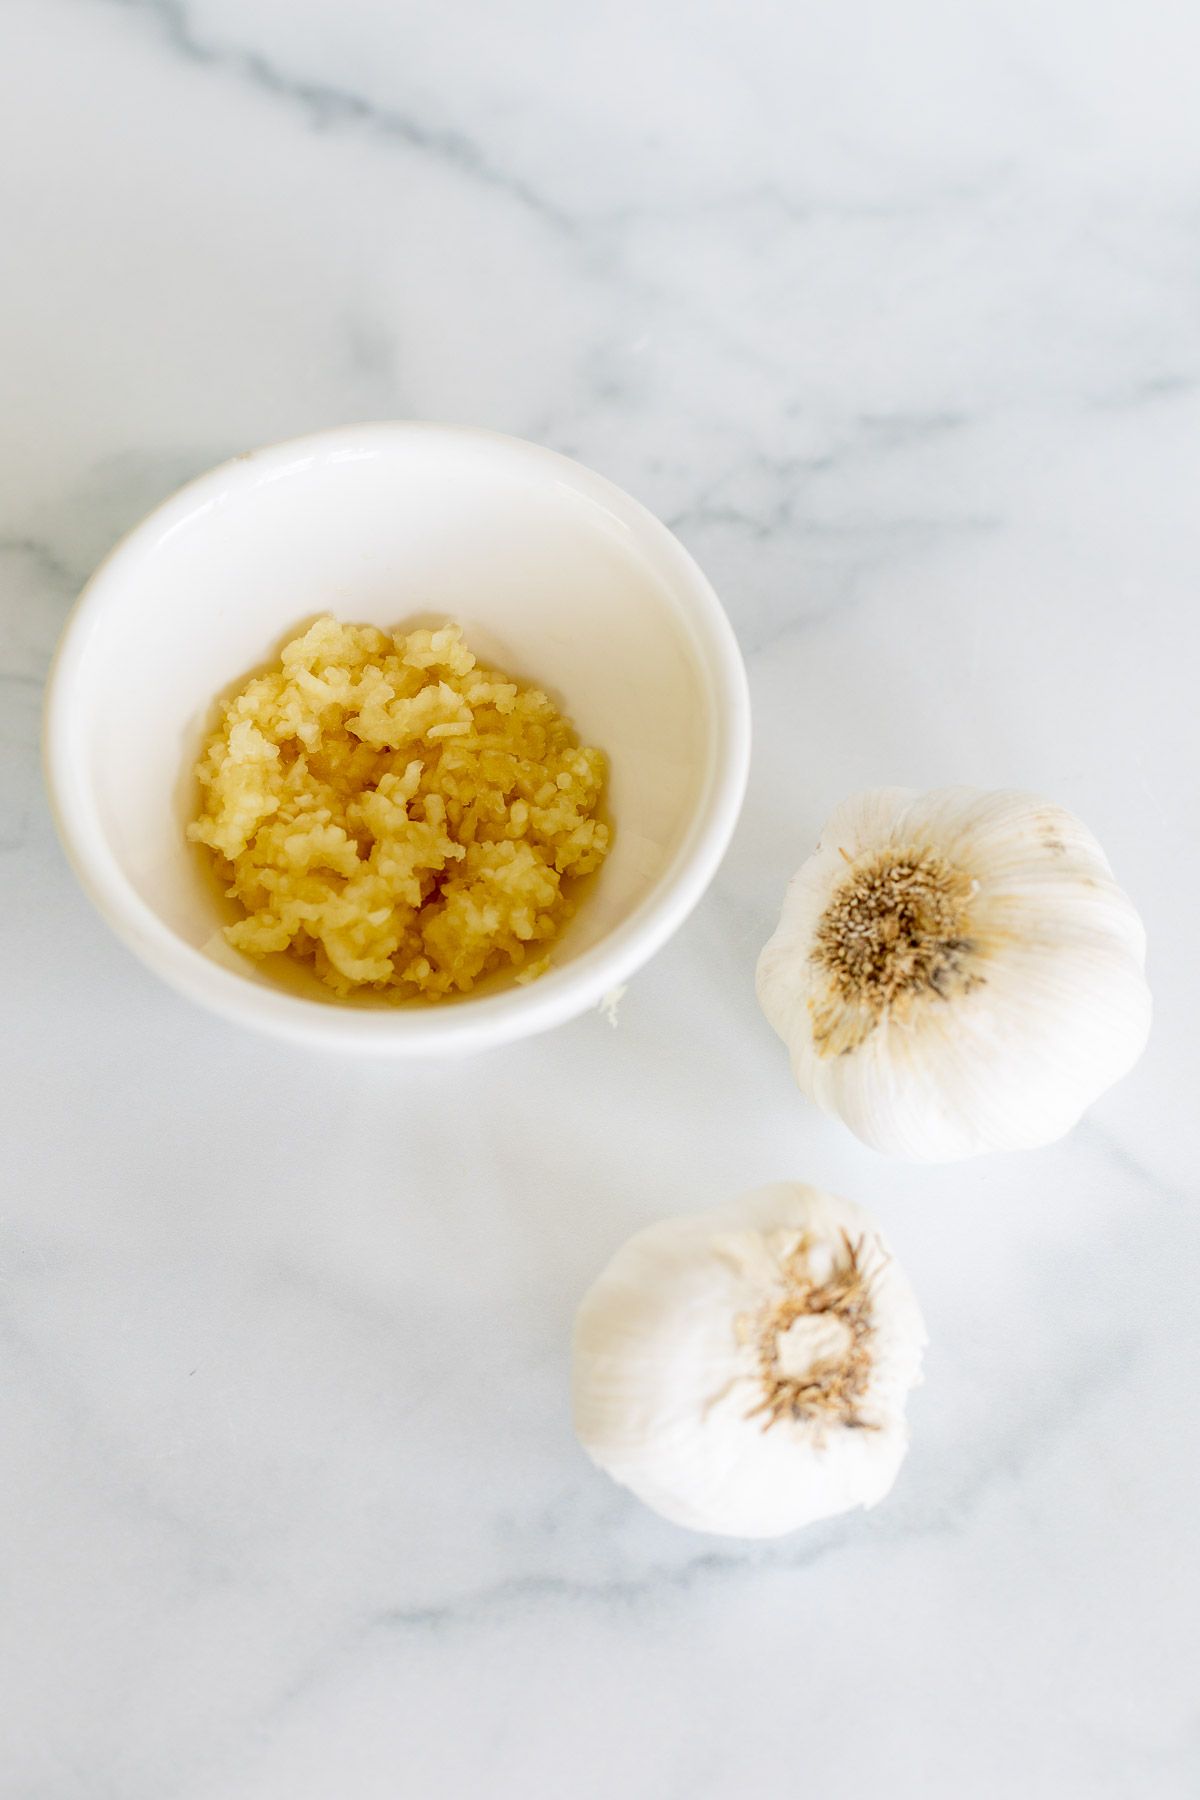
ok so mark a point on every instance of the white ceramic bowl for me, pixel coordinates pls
(554, 573)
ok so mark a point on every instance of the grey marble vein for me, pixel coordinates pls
(331, 108)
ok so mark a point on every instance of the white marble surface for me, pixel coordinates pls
(893, 311)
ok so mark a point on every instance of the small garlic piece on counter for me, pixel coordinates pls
(745, 1371)
(956, 971)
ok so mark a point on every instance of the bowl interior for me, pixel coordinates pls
(553, 574)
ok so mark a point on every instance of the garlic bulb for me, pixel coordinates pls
(745, 1371)
(956, 971)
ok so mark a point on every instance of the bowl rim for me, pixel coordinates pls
(471, 1023)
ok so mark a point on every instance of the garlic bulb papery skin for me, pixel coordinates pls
(745, 1371)
(956, 972)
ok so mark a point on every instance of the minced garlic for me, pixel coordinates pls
(401, 817)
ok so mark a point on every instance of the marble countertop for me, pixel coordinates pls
(892, 312)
